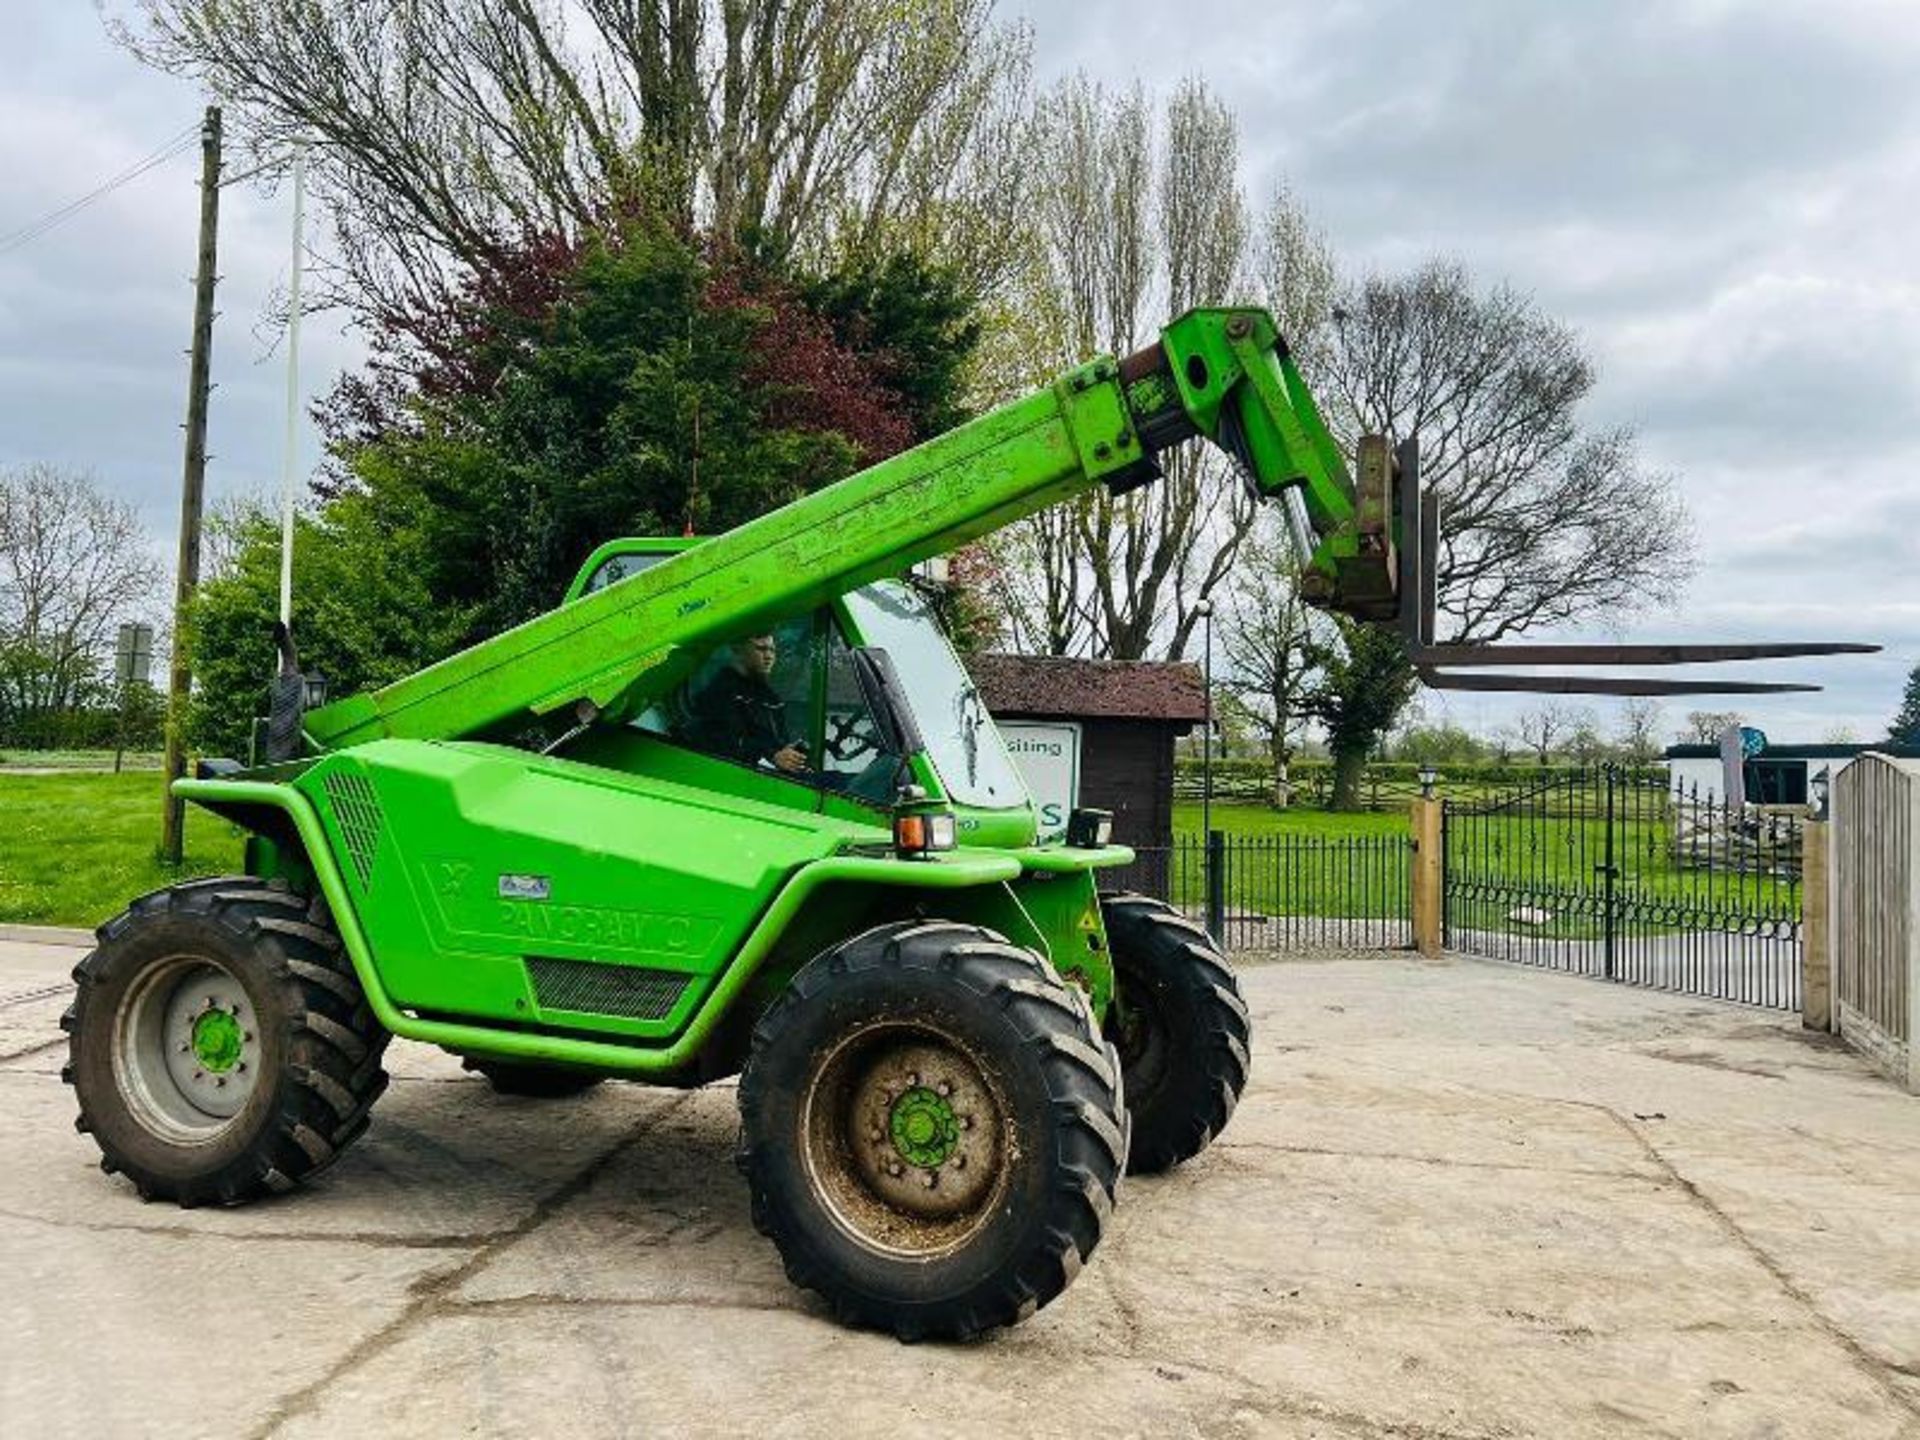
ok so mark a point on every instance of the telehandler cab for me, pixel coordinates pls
(771, 830)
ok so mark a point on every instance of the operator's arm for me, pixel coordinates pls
(745, 721)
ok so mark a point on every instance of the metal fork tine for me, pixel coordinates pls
(1602, 684)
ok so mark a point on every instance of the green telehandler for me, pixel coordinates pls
(768, 829)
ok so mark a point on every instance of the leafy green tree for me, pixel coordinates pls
(364, 615)
(639, 383)
(1365, 682)
(1441, 744)
(912, 322)
(1905, 729)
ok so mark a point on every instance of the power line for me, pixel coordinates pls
(33, 230)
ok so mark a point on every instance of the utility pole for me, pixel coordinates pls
(192, 484)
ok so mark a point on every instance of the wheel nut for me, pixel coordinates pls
(930, 1177)
(959, 1162)
(943, 1088)
(966, 1122)
(220, 1082)
(913, 1078)
(876, 1135)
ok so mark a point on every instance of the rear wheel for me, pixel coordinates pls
(1180, 1026)
(932, 1130)
(220, 1043)
(538, 1082)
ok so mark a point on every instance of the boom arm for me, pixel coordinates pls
(1223, 374)
(1220, 373)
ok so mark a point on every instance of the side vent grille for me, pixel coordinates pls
(597, 989)
(356, 809)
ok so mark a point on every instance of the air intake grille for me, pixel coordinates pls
(597, 989)
(356, 810)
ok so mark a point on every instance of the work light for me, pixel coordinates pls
(921, 832)
(1089, 829)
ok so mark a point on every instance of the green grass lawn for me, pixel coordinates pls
(74, 848)
(1238, 820)
(1295, 861)
(78, 760)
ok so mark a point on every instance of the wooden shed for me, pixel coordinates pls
(1129, 713)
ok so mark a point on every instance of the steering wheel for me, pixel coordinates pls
(852, 735)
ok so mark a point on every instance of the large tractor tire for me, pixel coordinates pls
(220, 1046)
(932, 1129)
(534, 1081)
(1180, 1026)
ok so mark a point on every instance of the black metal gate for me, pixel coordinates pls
(1614, 872)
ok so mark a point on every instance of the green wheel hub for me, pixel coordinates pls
(187, 1050)
(924, 1128)
(217, 1041)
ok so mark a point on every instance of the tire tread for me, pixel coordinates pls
(1082, 1078)
(332, 1071)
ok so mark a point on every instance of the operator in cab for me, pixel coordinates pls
(741, 716)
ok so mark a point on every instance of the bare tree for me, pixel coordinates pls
(1584, 744)
(445, 130)
(1704, 727)
(75, 563)
(224, 533)
(1542, 521)
(1270, 640)
(1123, 576)
(1546, 726)
(1638, 734)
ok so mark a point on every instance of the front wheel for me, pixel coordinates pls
(220, 1043)
(1180, 1026)
(932, 1130)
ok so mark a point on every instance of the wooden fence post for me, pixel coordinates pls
(1429, 877)
(1816, 928)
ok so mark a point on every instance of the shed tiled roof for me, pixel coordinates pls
(1051, 685)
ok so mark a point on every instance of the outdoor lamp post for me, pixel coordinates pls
(1215, 846)
(1819, 790)
(1205, 610)
(1428, 775)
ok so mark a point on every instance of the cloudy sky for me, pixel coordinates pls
(1721, 196)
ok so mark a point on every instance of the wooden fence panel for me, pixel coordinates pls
(1876, 803)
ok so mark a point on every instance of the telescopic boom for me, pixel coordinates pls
(1224, 375)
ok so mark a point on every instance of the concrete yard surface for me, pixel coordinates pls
(1459, 1199)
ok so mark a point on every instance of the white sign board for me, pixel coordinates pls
(1048, 759)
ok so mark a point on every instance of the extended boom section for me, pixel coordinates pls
(1225, 375)
(878, 522)
(1216, 372)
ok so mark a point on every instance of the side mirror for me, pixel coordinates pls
(886, 702)
(288, 705)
